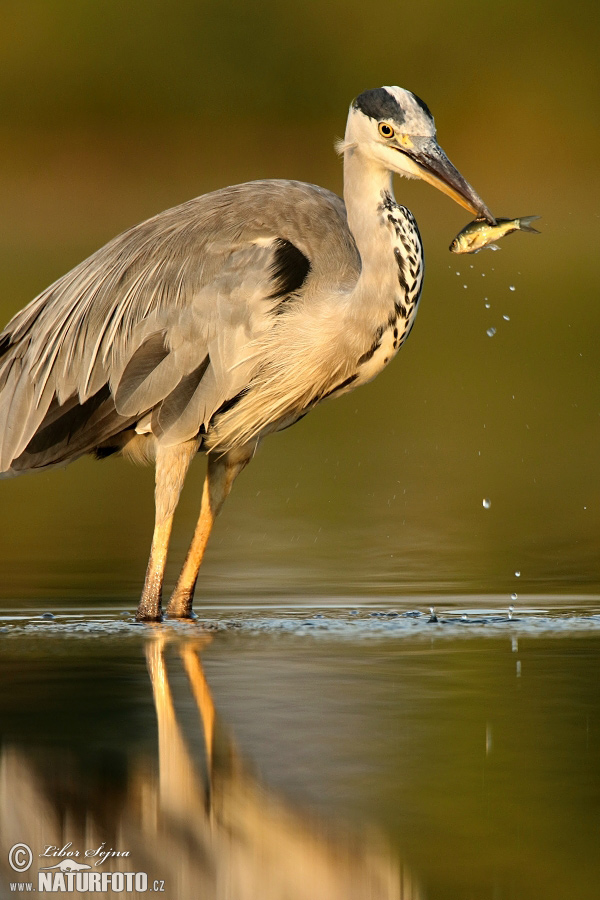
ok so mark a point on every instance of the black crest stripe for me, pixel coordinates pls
(379, 104)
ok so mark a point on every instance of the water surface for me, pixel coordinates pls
(356, 750)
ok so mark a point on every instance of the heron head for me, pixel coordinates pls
(395, 128)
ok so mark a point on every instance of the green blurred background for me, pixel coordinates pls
(110, 112)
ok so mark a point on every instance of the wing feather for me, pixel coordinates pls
(140, 317)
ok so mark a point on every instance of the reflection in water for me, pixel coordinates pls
(210, 831)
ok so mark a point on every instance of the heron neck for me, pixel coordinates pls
(365, 185)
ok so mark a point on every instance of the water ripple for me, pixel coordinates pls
(354, 622)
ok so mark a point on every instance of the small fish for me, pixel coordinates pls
(479, 234)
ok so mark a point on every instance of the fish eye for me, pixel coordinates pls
(386, 130)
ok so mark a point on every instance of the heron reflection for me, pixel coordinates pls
(202, 822)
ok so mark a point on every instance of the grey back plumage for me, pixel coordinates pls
(158, 327)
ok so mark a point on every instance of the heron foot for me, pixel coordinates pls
(149, 609)
(180, 605)
(148, 620)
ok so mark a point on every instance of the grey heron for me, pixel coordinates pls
(223, 319)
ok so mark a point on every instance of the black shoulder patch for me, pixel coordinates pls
(290, 268)
(379, 104)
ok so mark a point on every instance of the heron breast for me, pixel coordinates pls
(380, 354)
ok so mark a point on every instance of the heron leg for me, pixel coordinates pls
(206, 707)
(222, 472)
(181, 791)
(172, 464)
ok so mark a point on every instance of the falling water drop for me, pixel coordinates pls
(488, 739)
(486, 503)
(491, 332)
(517, 574)
(513, 597)
(512, 287)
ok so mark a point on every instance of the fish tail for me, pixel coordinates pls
(525, 224)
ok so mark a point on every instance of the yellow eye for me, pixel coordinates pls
(386, 130)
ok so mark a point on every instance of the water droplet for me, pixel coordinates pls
(513, 596)
(458, 273)
(491, 332)
(488, 305)
(506, 318)
(512, 287)
(515, 645)
(464, 618)
(465, 286)
(486, 503)
(511, 610)
(518, 668)
(518, 574)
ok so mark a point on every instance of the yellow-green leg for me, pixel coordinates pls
(172, 464)
(221, 473)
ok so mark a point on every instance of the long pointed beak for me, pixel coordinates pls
(436, 168)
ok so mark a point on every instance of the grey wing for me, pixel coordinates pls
(158, 326)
